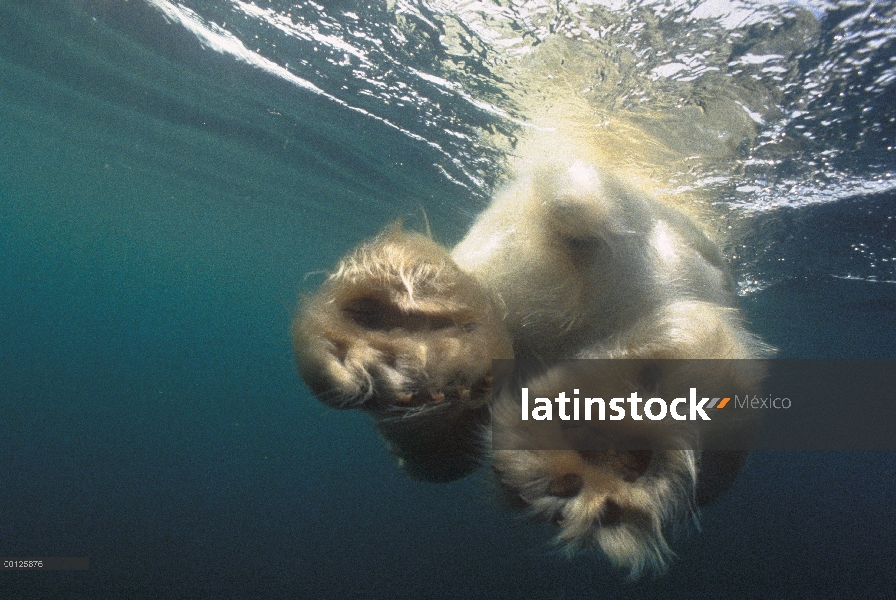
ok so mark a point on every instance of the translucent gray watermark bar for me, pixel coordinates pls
(665, 404)
(45, 563)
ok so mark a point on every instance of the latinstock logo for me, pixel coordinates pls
(608, 405)
(596, 409)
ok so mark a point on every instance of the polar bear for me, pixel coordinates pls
(568, 261)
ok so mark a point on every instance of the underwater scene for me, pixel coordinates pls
(176, 175)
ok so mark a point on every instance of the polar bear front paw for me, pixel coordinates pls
(400, 331)
(398, 324)
(621, 502)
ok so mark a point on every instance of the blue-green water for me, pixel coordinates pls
(164, 201)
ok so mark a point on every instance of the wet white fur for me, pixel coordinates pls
(589, 267)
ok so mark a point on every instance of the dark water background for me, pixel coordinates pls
(161, 207)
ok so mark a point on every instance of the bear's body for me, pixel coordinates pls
(577, 258)
(566, 262)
